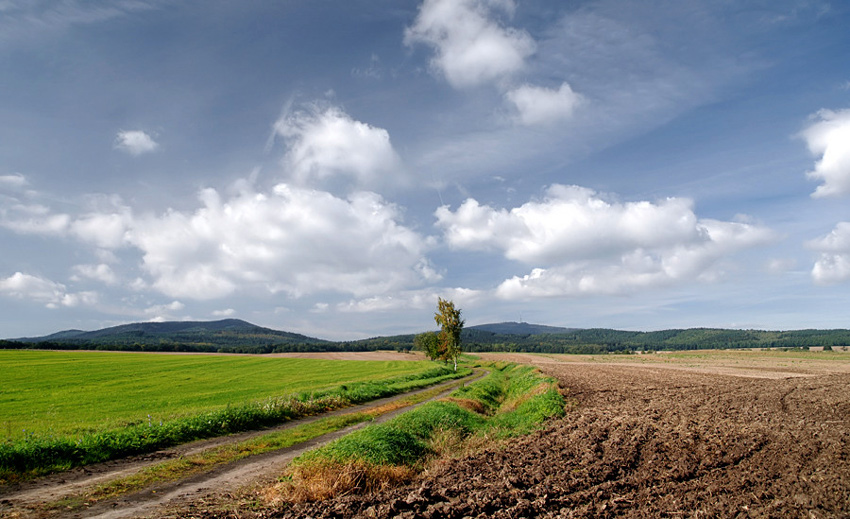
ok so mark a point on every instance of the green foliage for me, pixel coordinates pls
(428, 343)
(451, 325)
(401, 441)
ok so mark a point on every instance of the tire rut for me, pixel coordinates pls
(26, 500)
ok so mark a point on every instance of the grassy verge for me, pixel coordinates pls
(36, 454)
(511, 400)
(186, 466)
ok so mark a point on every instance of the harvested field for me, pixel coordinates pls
(748, 436)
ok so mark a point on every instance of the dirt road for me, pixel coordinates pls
(39, 499)
(650, 440)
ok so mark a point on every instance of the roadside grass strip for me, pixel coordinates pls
(510, 401)
(206, 461)
(40, 454)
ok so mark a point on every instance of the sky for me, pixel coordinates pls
(331, 168)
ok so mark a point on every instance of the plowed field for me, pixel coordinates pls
(654, 439)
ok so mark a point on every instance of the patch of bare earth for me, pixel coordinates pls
(646, 441)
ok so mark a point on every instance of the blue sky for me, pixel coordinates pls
(331, 168)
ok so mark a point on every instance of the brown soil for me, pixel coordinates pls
(648, 441)
(706, 435)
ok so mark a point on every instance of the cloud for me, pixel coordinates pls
(538, 105)
(165, 312)
(40, 290)
(325, 142)
(781, 265)
(423, 299)
(293, 240)
(21, 213)
(14, 181)
(470, 47)
(33, 219)
(224, 313)
(135, 142)
(579, 243)
(28, 19)
(833, 265)
(829, 138)
(106, 230)
(100, 272)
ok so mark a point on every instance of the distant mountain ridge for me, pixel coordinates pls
(522, 328)
(225, 333)
(238, 336)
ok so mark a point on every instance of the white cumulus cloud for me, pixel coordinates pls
(829, 138)
(292, 240)
(135, 142)
(579, 243)
(45, 291)
(539, 105)
(106, 230)
(471, 47)
(833, 265)
(326, 142)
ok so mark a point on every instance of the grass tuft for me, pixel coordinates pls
(327, 478)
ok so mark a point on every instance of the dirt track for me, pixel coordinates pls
(650, 441)
(29, 500)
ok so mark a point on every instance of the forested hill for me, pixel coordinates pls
(599, 340)
(514, 328)
(231, 335)
(237, 336)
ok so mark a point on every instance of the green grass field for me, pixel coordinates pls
(69, 393)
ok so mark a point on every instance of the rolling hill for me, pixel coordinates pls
(237, 336)
(233, 335)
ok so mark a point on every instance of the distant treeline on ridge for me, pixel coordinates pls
(235, 336)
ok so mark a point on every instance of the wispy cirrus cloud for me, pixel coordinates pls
(25, 19)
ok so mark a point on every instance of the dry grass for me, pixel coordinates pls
(467, 403)
(318, 481)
